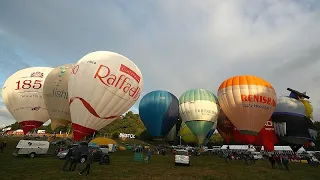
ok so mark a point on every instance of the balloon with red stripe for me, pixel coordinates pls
(102, 86)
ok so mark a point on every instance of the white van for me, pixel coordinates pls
(31, 148)
(182, 157)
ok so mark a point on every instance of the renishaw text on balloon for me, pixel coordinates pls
(122, 82)
(259, 99)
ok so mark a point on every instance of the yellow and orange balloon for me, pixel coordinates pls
(248, 101)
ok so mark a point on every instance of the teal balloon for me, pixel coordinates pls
(159, 112)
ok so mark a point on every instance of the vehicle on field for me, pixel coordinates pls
(31, 148)
(256, 155)
(182, 156)
(83, 151)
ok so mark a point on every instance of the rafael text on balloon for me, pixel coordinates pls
(105, 76)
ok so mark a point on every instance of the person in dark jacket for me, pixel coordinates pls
(272, 161)
(68, 159)
(74, 160)
(88, 164)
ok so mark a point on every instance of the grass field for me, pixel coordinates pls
(160, 168)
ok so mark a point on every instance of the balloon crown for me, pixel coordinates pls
(37, 74)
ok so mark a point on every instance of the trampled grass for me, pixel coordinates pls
(160, 167)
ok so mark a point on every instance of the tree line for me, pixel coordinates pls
(131, 123)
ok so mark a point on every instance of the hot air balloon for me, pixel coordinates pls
(248, 101)
(291, 122)
(102, 86)
(199, 109)
(186, 134)
(210, 134)
(22, 94)
(55, 90)
(225, 127)
(159, 112)
(172, 135)
(267, 137)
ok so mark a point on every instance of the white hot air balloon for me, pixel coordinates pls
(102, 86)
(55, 90)
(22, 94)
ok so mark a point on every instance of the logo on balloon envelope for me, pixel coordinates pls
(131, 136)
(37, 74)
(269, 126)
(122, 82)
(258, 101)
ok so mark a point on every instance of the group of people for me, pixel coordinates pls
(282, 160)
(234, 155)
(73, 158)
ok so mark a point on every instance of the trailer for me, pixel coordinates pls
(31, 148)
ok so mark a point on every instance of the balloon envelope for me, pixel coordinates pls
(291, 123)
(199, 109)
(267, 137)
(55, 90)
(102, 86)
(159, 112)
(210, 134)
(225, 127)
(186, 134)
(248, 101)
(22, 94)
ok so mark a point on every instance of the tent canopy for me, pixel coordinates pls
(102, 141)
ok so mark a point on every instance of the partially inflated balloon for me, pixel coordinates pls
(291, 123)
(210, 134)
(102, 86)
(171, 136)
(159, 112)
(267, 137)
(225, 127)
(199, 109)
(248, 101)
(55, 90)
(22, 94)
(186, 134)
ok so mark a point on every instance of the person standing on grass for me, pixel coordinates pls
(1, 147)
(74, 160)
(88, 164)
(68, 159)
(285, 161)
(149, 154)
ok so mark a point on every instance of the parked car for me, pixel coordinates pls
(182, 157)
(257, 155)
(83, 153)
(62, 154)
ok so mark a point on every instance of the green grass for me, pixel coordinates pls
(160, 168)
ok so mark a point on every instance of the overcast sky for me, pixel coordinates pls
(177, 44)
